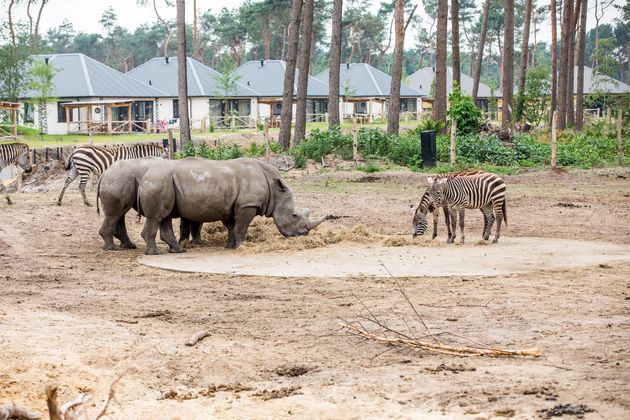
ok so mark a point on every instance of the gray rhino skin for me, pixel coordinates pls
(117, 191)
(233, 192)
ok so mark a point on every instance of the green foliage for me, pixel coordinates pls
(201, 149)
(532, 104)
(318, 144)
(464, 111)
(256, 150)
(41, 83)
(428, 123)
(370, 167)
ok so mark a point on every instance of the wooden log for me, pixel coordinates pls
(197, 337)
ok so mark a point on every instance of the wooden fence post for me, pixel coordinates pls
(170, 143)
(355, 139)
(554, 123)
(453, 141)
(619, 142)
(266, 137)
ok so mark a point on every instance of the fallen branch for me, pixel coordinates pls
(154, 314)
(197, 337)
(110, 396)
(51, 401)
(439, 347)
(16, 412)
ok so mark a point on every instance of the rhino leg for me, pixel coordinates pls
(167, 235)
(107, 231)
(184, 229)
(241, 222)
(195, 231)
(149, 231)
(121, 233)
(231, 242)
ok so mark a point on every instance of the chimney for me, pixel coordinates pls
(150, 84)
(166, 59)
(262, 63)
(46, 60)
(248, 83)
(348, 66)
(433, 69)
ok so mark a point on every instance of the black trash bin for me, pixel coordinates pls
(428, 148)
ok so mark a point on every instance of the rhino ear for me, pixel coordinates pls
(280, 185)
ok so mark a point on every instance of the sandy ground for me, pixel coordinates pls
(74, 315)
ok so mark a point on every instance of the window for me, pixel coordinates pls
(29, 114)
(61, 112)
(175, 108)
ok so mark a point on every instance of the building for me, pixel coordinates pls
(266, 77)
(208, 102)
(90, 97)
(424, 80)
(364, 91)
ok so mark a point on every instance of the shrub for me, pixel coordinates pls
(464, 110)
(321, 143)
(369, 167)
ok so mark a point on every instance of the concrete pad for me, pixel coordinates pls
(511, 255)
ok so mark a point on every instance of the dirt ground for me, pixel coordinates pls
(76, 316)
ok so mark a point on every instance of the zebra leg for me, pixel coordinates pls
(488, 222)
(499, 216)
(167, 235)
(462, 213)
(72, 175)
(447, 220)
(149, 231)
(436, 216)
(123, 236)
(82, 184)
(6, 193)
(453, 217)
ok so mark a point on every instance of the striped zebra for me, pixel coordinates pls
(13, 153)
(86, 159)
(484, 191)
(426, 205)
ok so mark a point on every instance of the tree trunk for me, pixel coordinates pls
(478, 60)
(334, 65)
(393, 121)
(524, 57)
(457, 78)
(554, 62)
(304, 61)
(31, 41)
(565, 44)
(439, 103)
(579, 105)
(12, 30)
(289, 76)
(571, 68)
(533, 62)
(182, 82)
(39, 19)
(507, 67)
(195, 53)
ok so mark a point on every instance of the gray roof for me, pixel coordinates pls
(267, 78)
(79, 76)
(423, 78)
(202, 80)
(367, 81)
(600, 83)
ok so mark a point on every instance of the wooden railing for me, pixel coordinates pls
(103, 127)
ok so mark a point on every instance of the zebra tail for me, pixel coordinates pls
(504, 211)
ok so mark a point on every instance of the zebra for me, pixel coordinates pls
(426, 205)
(485, 191)
(86, 159)
(13, 153)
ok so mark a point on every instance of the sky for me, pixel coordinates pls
(85, 14)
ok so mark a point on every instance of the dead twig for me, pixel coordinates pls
(442, 348)
(110, 396)
(65, 409)
(127, 321)
(197, 337)
(51, 401)
(16, 412)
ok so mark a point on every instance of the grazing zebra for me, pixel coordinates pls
(86, 159)
(426, 205)
(13, 153)
(485, 191)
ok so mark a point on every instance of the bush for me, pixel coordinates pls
(201, 149)
(464, 110)
(369, 167)
(321, 143)
(373, 142)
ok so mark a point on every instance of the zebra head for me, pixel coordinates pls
(420, 223)
(23, 161)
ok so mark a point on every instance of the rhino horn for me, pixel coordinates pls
(312, 223)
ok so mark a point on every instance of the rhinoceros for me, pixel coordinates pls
(233, 192)
(118, 193)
